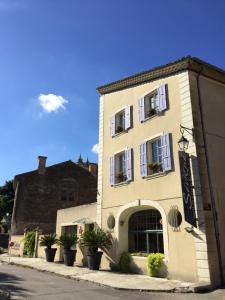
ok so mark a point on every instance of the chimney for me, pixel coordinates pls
(93, 169)
(41, 164)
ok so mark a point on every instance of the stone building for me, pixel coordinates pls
(162, 198)
(40, 193)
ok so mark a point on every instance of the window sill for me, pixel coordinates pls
(120, 184)
(145, 257)
(139, 257)
(156, 175)
(158, 114)
(149, 118)
(120, 133)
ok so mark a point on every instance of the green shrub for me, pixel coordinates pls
(94, 239)
(67, 241)
(124, 262)
(48, 240)
(154, 262)
(29, 243)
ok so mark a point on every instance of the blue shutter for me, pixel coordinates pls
(166, 153)
(112, 125)
(161, 98)
(128, 157)
(127, 117)
(141, 109)
(112, 170)
(143, 159)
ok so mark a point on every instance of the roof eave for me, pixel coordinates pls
(187, 63)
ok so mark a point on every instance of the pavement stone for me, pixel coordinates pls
(103, 277)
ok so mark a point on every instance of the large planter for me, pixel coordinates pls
(50, 254)
(94, 260)
(69, 257)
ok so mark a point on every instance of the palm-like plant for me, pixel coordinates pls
(95, 239)
(67, 241)
(48, 240)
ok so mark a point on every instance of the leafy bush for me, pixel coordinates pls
(94, 239)
(154, 262)
(48, 240)
(67, 241)
(29, 243)
(124, 262)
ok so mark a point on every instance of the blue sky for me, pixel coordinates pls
(54, 53)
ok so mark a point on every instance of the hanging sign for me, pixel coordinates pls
(187, 189)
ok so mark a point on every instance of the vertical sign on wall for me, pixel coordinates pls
(187, 189)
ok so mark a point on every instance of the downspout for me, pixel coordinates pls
(213, 203)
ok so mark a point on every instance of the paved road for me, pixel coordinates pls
(26, 283)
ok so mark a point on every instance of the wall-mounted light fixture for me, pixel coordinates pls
(183, 143)
(189, 229)
(121, 222)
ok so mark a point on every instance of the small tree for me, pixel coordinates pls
(6, 201)
(6, 198)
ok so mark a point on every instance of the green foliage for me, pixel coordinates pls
(6, 199)
(124, 262)
(29, 243)
(48, 240)
(67, 241)
(154, 262)
(94, 239)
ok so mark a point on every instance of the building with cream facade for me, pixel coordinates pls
(140, 195)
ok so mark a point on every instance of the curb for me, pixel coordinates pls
(195, 288)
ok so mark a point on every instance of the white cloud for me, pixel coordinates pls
(95, 149)
(52, 102)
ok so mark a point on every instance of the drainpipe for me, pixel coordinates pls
(213, 203)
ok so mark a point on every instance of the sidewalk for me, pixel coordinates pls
(106, 278)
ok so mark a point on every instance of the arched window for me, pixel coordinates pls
(146, 232)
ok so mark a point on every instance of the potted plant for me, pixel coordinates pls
(154, 167)
(93, 240)
(121, 177)
(48, 241)
(151, 112)
(119, 129)
(67, 241)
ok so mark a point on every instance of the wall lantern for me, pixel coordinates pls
(183, 143)
(121, 222)
(189, 229)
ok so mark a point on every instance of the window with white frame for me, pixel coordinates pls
(153, 103)
(121, 121)
(150, 104)
(121, 167)
(155, 156)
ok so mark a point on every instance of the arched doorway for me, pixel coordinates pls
(145, 232)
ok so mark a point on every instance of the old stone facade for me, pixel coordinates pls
(40, 193)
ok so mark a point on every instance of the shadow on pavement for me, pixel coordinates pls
(11, 283)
